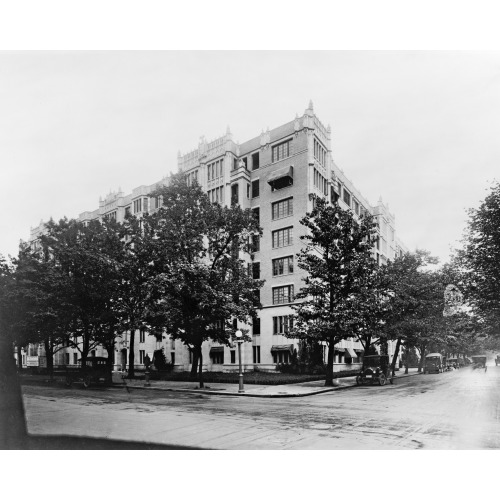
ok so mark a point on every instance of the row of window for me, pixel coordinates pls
(215, 170)
(218, 357)
(216, 195)
(319, 152)
(191, 178)
(320, 182)
(278, 152)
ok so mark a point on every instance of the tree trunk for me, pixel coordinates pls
(422, 359)
(395, 356)
(13, 433)
(49, 357)
(131, 369)
(194, 366)
(200, 374)
(110, 348)
(329, 363)
(19, 358)
(368, 343)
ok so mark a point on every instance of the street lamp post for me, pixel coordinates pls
(239, 341)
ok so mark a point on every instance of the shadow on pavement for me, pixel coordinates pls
(46, 442)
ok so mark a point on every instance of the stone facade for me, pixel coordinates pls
(276, 174)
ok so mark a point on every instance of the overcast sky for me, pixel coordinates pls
(420, 129)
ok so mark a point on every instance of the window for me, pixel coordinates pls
(66, 360)
(282, 208)
(128, 211)
(214, 171)
(319, 152)
(234, 194)
(283, 265)
(172, 358)
(92, 353)
(255, 188)
(255, 161)
(256, 353)
(282, 324)
(75, 358)
(255, 243)
(320, 182)
(254, 270)
(233, 356)
(355, 204)
(281, 357)
(111, 216)
(142, 335)
(138, 205)
(256, 214)
(347, 197)
(146, 204)
(283, 237)
(281, 151)
(218, 358)
(141, 356)
(334, 197)
(256, 326)
(283, 294)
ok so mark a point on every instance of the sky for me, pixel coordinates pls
(418, 128)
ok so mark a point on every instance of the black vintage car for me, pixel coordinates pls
(376, 368)
(95, 370)
(479, 362)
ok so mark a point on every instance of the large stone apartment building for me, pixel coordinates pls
(275, 174)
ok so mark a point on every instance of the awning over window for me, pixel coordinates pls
(350, 352)
(339, 349)
(359, 351)
(286, 347)
(216, 349)
(281, 173)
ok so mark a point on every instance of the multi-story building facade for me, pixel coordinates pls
(276, 175)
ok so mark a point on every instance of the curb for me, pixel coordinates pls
(248, 395)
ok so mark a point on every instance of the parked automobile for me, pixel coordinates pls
(95, 370)
(479, 362)
(434, 363)
(375, 368)
(454, 363)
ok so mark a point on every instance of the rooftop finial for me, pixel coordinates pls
(311, 105)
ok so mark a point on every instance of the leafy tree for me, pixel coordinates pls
(13, 432)
(340, 294)
(411, 290)
(479, 259)
(205, 287)
(88, 256)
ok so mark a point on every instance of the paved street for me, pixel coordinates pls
(453, 410)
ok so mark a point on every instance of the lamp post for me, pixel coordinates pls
(239, 341)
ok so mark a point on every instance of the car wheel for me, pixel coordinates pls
(87, 380)
(382, 379)
(358, 380)
(391, 380)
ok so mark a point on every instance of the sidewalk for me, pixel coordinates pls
(251, 390)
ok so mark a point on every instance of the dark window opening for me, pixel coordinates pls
(256, 326)
(256, 353)
(255, 188)
(234, 194)
(255, 161)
